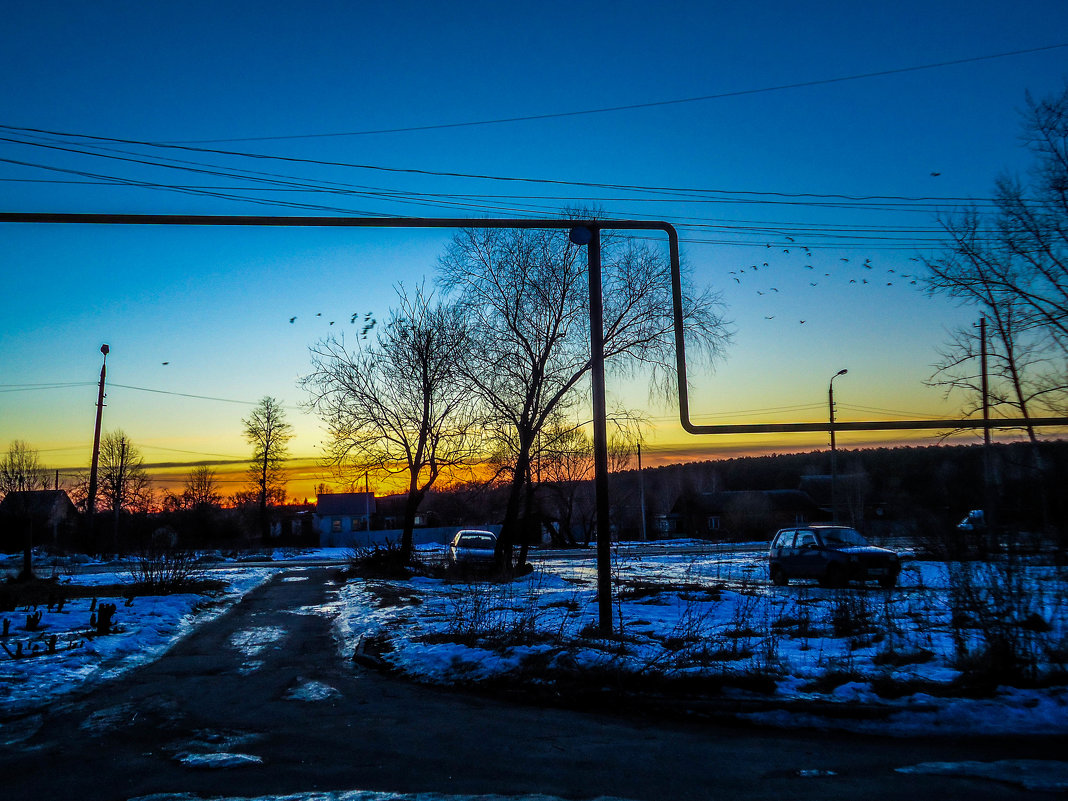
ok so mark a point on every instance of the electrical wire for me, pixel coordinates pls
(679, 191)
(649, 104)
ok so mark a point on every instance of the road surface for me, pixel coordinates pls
(258, 702)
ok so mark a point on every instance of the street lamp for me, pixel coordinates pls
(834, 453)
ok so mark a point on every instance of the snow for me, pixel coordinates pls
(312, 691)
(715, 615)
(708, 614)
(219, 760)
(145, 630)
(1031, 774)
(364, 795)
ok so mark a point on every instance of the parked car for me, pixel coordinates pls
(974, 521)
(472, 547)
(834, 555)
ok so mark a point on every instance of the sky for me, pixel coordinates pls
(806, 109)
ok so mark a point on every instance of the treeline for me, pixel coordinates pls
(922, 490)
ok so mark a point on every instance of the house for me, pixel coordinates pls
(48, 516)
(343, 519)
(739, 514)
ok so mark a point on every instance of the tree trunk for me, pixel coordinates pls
(265, 529)
(411, 504)
(506, 540)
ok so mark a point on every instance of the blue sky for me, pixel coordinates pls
(216, 303)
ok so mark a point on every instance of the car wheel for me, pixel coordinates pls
(834, 577)
(888, 582)
(779, 577)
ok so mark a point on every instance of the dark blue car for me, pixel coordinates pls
(833, 555)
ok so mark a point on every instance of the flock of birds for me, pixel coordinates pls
(366, 326)
(876, 276)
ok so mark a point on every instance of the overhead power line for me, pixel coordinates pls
(635, 106)
(680, 192)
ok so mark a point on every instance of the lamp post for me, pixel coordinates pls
(834, 453)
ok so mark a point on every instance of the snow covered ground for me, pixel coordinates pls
(715, 615)
(681, 615)
(145, 630)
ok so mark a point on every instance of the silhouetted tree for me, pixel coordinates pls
(20, 470)
(527, 295)
(267, 431)
(123, 484)
(404, 406)
(1012, 265)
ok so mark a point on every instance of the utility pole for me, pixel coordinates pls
(834, 452)
(90, 507)
(988, 494)
(641, 492)
(590, 236)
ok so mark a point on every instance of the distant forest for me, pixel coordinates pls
(922, 491)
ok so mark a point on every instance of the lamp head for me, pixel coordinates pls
(580, 235)
(105, 349)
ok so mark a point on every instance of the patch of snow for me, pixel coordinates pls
(219, 760)
(312, 691)
(146, 630)
(361, 795)
(1031, 774)
(251, 642)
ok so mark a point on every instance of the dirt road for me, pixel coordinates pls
(258, 702)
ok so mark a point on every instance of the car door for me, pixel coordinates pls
(783, 551)
(808, 562)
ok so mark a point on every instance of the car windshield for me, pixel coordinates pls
(476, 541)
(841, 537)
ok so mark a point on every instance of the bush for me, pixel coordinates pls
(164, 571)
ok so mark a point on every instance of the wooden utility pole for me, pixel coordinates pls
(90, 506)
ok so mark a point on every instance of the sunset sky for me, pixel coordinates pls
(824, 140)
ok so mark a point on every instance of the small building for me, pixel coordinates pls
(343, 519)
(47, 516)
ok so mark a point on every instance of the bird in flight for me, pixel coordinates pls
(802, 322)
(165, 363)
(292, 320)
(769, 318)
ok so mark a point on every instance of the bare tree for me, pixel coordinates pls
(565, 469)
(1012, 265)
(403, 406)
(527, 295)
(124, 484)
(201, 491)
(21, 470)
(201, 488)
(267, 431)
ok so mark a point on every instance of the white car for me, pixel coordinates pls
(472, 547)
